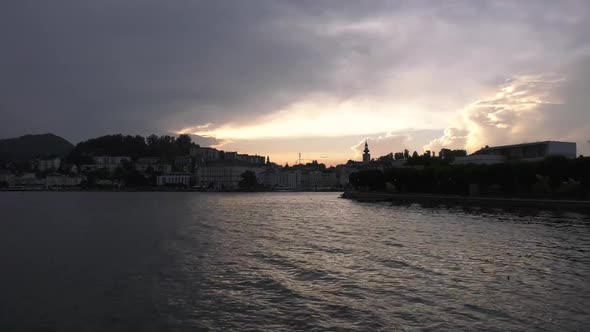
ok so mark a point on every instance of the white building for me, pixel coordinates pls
(110, 162)
(51, 164)
(176, 179)
(60, 180)
(519, 152)
(224, 176)
(203, 154)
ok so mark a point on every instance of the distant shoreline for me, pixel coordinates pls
(157, 190)
(574, 205)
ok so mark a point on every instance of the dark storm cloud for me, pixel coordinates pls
(98, 66)
(82, 68)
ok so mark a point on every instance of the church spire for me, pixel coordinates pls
(366, 154)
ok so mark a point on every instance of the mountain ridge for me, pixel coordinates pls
(32, 146)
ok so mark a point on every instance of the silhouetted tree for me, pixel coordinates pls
(387, 157)
(248, 180)
(184, 143)
(370, 179)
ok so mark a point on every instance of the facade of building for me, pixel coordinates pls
(311, 180)
(59, 180)
(183, 164)
(110, 162)
(164, 168)
(268, 178)
(51, 164)
(289, 180)
(29, 180)
(255, 159)
(203, 154)
(224, 176)
(279, 179)
(174, 179)
(143, 164)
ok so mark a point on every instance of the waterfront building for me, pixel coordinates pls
(289, 180)
(51, 164)
(164, 168)
(174, 179)
(268, 178)
(143, 164)
(279, 179)
(110, 162)
(311, 180)
(224, 175)
(54, 180)
(204, 154)
(519, 152)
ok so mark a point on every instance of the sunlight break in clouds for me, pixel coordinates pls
(320, 117)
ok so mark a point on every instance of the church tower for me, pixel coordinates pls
(366, 154)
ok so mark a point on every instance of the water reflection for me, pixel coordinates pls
(284, 262)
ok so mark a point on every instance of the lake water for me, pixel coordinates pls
(285, 262)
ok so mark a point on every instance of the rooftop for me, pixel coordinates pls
(522, 145)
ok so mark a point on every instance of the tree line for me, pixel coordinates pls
(556, 177)
(165, 147)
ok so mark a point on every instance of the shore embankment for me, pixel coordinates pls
(574, 205)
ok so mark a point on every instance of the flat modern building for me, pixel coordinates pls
(524, 152)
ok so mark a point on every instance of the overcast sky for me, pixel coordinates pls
(317, 77)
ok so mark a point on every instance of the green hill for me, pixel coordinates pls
(34, 146)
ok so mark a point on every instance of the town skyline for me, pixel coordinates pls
(295, 77)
